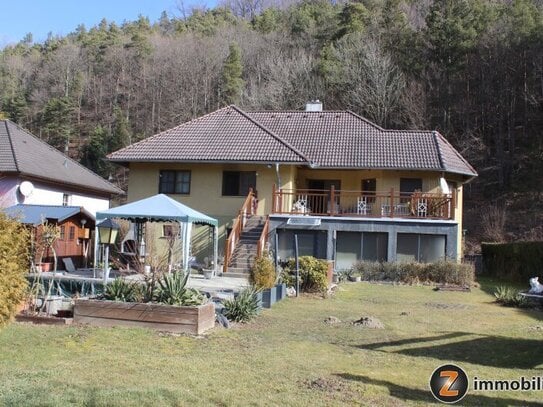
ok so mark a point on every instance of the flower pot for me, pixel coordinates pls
(208, 273)
(281, 291)
(269, 297)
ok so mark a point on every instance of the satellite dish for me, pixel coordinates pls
(26, 188)
(444, 186)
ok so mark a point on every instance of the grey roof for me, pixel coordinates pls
(35, 214)
(327, 139)
(25, 154)
(225, 135)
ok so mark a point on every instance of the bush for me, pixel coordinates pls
(172, 290)
(313, 274)
(14, 265)
(243, 307)
(263, 273)
(510, 297)
(441, 272)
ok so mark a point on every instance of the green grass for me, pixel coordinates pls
(287, 356)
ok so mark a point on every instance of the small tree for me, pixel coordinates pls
(14, 265)
(232, 82)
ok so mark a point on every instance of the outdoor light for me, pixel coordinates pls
(107, 232)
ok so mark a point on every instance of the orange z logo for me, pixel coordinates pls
(445, 390)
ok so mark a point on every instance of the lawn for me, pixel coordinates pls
(287, 356)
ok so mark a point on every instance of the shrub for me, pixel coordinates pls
(14, 264)
(510, 297)
(123, 290)
(441, 272)
(263, 273)
(172, 290)
(312, 272)
(243, 307)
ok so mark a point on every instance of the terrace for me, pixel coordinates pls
(364, 204)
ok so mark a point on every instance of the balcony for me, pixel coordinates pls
(390, 204)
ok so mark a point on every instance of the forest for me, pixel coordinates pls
(472, 69)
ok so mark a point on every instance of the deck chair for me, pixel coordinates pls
(69, 264)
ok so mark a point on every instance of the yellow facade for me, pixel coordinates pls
(206, 189)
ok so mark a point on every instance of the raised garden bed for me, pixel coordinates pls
(180, 319)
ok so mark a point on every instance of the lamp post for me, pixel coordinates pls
(107, 232)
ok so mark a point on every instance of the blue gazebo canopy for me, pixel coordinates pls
(158, 208)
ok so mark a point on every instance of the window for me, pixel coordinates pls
(62, 234)
(170, 230)
(174, 182)
(71, 235)
(369, 186)
(421, 248)
(408, 186)
(355, 246)
(237, 183)
(310, 243)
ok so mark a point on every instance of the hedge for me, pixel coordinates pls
(517, 261)
(13, 266)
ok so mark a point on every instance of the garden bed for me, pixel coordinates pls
(180, 319)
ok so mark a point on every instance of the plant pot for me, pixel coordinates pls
(355, 279)
(269, 297)
(281, 291)
(208, 273)
(45, 267)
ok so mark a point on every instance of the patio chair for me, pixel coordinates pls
(363, 207)
(300, 206)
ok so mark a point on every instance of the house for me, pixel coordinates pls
(73, 238)
(32, 172)
(347, 188)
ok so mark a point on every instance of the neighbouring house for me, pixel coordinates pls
(347, 188)
(32, 172)
(73, 242)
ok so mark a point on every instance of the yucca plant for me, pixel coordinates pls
(509, 297)
(242, 308)
(172, 290)
(122, 290)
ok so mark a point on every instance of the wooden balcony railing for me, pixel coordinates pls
(248, 208)
(263, 241)
(363, 204)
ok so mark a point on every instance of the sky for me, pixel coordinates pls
(60, 17)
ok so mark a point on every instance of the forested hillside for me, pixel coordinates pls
(473, 69)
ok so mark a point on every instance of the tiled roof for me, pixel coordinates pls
(226, 135)
(327, 139)
(22, 153)
(35, 214)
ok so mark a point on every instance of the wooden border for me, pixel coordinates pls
(181, 319)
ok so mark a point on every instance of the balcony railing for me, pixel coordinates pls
(390, 204)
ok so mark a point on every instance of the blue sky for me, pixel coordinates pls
(18, 17)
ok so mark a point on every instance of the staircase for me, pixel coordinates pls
(246, 249)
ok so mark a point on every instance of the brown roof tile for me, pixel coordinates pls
(327, 139)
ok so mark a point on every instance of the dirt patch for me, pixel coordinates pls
(331, 320)
(369, 322)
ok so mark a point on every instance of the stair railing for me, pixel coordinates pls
(263, 240)
(247, 209)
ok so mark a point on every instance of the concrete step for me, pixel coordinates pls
(237, 272)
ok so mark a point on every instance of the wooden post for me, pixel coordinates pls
(332, 199)
(274, 200)
(391, 202)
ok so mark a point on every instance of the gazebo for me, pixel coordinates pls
(161, 208)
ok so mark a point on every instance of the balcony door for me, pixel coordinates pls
(321, 204)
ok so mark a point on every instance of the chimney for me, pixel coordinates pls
(313, 106)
